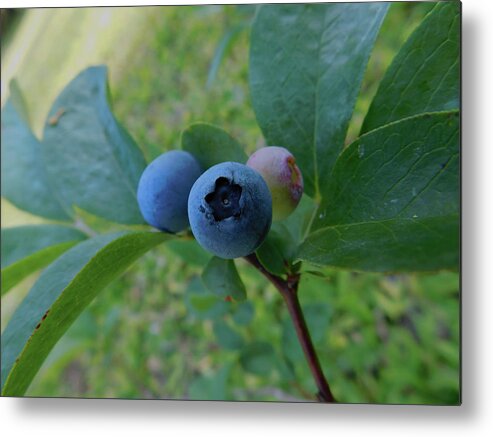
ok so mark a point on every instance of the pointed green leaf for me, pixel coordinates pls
(273, 253)
(299, 222)
(222, 48)
(221, 278)
(424, 76)
(189, 251)
(258, 358)
(19, 102)
(90, 158)
(401, 244)
(279, 250)
(393, 203)
(244, 313)
(211, 145)
(306, 66)
(202, 303)
(211, 386)
(63, 290)
(26, 249)
(22, 241)
(227, 337)
(24, 179)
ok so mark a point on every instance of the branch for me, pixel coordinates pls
(289, 291)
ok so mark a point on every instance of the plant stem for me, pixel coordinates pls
(289, 291)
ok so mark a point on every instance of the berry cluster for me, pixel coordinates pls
(229, 207)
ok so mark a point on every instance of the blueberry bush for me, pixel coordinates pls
(379, 201)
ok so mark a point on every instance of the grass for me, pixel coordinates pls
(156, 333)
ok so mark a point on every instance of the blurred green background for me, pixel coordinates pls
(156, 332)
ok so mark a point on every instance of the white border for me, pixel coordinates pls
(60, 417)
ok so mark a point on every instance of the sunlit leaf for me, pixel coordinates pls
(24, 179)
(425, 74)
(91, 160)
(26, 249)
(393, 203)
(61, 293)
(221, 278)
(306, 66)
(211, 145)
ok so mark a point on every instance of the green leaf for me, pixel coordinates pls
(258, 358)
(244, 313)
(17, 98)
(26, 249)
(61, 293)
(221, 278)
(211, 387)
(421, 244)
(211, 145)
(299, 222)
(222, 48)
(90, 159)
(227, 337)
(306, 66)
(393, 204)
(24, 179)
(202, 303)
(279, 250)
(276, 252)
(22, 241)
(189, 251)
(424, 76)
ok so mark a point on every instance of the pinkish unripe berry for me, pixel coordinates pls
(283, 177)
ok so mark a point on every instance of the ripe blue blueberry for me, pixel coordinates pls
(163, 190)
(230, 210)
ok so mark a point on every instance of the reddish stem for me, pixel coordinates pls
(289, 291)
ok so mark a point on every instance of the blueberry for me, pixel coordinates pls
(283, 177)
(163, 190)
(230, 210)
